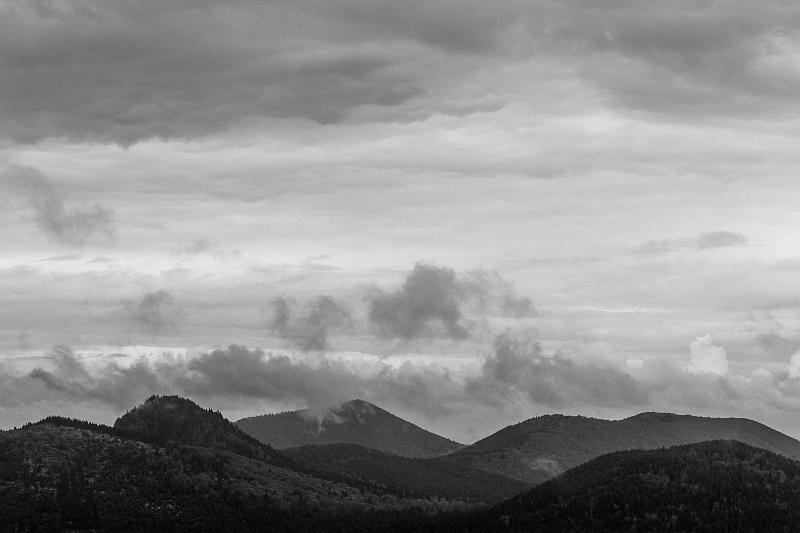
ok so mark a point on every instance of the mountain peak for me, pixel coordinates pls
(172, 418)
(356, 422)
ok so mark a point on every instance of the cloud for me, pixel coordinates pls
(183, 70)
(494, 294)
(794, 366)
(118, 386)
(308, 327)
(156, 312)
(707, 358)
(720, 239)
(520, 367)
(775, 344)
(435, 301)
(186, 70)
(233, 373)
(74, 226)
(198, 246)
(426, 304)
(704, 241)
(516, 378)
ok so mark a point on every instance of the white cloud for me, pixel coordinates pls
(707, 358)
(794, 366)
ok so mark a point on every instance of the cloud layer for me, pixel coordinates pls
(189, 69)
(516, 376)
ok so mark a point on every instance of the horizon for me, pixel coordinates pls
(469, 213)
(319, 416)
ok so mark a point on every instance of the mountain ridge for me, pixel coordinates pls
(720, 485)
(354, 422)
(539, 448)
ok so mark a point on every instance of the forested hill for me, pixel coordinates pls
(422, 478)
(705, 487)
(171, 418)
(540, 448)
(354, 422)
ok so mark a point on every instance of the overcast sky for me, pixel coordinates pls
(502, 209)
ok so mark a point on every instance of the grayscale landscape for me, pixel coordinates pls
(374, 266)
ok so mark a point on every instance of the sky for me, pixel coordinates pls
(469, 213)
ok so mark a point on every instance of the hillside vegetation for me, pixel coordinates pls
(705, 487)
(540, 448)
(354, 422)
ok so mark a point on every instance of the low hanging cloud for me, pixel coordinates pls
(71, 379)
(520, 367)
(307, 327)
(704, 241)
(235, 372)
(67, 225)
(157, 312)
(516, 376)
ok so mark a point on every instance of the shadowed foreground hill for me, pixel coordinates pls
(354, 422)
(538, 449)
(422, 478)
(170, 465)
(704, 487)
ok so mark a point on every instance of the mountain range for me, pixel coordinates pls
(169, 464)
(711, 486)
(540, 448)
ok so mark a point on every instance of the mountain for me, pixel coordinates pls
(709, 486)
(419, 478)
(170, 465)
(537, 449)
(59, 477)
(161, 419)
(354, 422)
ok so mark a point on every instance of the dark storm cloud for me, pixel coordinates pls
(106, 70)
(307, 326)
(519, 366)
(427, 302)
(68, 225)
(704, 241)
(156, 312)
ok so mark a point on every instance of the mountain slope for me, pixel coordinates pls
(708, 486)
(540, 448)
(161, 419)
(54, 478)
(421, 478)
(354, 422)
(170, 465)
